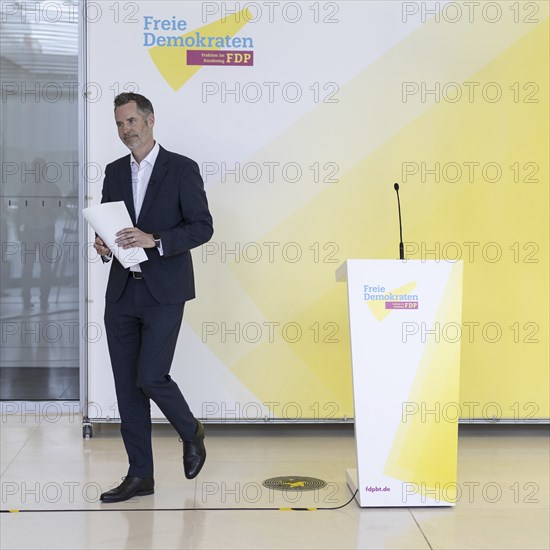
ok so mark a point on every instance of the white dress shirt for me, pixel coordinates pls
(141, 174)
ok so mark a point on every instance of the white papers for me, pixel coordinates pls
(109, 218)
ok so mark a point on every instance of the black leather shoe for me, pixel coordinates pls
(129, 488)
(194, 453)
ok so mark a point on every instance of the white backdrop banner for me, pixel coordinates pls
(253, 92)
(301, 116)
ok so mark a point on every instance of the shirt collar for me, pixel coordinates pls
(150, 158)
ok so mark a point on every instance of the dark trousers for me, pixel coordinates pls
(142, 336)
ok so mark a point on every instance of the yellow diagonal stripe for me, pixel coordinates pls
(424, 451)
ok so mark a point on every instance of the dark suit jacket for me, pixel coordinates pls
(176, 208)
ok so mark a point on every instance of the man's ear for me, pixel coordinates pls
(151, 120)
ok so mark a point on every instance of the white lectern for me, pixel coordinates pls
(405, 326)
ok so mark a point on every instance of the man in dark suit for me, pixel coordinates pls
(164, 194)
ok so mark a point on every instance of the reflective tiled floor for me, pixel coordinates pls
(54, 477)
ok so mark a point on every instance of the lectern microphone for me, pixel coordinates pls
(401, 249)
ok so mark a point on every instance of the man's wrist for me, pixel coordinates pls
(156, 240)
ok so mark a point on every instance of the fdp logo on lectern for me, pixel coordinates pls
(382, 301)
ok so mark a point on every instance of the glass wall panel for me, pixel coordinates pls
(38, 200)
